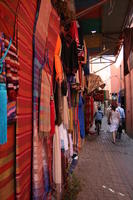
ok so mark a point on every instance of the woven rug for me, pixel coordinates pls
(39, 154)
(7, 167)
(26, 17)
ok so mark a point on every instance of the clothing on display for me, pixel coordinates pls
(81, 117)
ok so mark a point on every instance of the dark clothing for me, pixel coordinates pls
(98, 121)
(121, 126)
(69, 55)
(99, 115)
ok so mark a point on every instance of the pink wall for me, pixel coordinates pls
(116, 83)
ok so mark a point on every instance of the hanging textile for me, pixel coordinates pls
(70, 144)
(92, 108)
(53, 31)
(65, 112)
(69, 55)
(47, 25)
(44, 119)
(3, 94)
(40, 35)
(58, 65)
(12, 67)
(74, 32)
(86, 66)
(87, 114)
(58, 103)
(81, 117)
(8, 16)
(11, 111)
(57, 159)
(3, 90)
(24, 25)
(7, 167)
(3, 114)
(71, 120)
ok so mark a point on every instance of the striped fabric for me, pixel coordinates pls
(7, 166)
(7, 17)
(44, 114)
(26, 17)
(47, 25)
(11, 111)
(39, 152)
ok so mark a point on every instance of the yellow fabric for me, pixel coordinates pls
(58, 64)
(65, 113)
(70, 120)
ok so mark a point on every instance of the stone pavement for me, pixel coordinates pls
(106, 170)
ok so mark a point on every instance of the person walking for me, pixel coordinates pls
(98, 116)
(122, 120)
(114, 122)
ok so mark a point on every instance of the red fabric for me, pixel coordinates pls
(92, 108)
(7, 18)
(80, 74)
(74, 32)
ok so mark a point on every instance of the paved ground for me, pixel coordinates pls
(106, 170)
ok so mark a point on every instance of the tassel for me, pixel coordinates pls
(3, 113)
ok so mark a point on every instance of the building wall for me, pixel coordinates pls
(117, 78)
(129, 102)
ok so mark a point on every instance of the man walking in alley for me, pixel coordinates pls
(98, 117)
(122, 120)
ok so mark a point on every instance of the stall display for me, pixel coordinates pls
(44, 80)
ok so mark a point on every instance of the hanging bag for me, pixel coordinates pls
(3, 95)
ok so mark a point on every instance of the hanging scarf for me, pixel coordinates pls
(3, 97)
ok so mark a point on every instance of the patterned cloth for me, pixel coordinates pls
(44, 119)
(46, 24)
(25, 23)
(8, 14)
(57, 157)
(12, 67)
(11, 111)
(39, 160)
(7, 167)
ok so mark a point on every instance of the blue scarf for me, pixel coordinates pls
(3, 103)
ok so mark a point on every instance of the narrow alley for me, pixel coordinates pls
(106, 170)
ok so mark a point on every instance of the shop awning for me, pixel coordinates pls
(106, 19)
